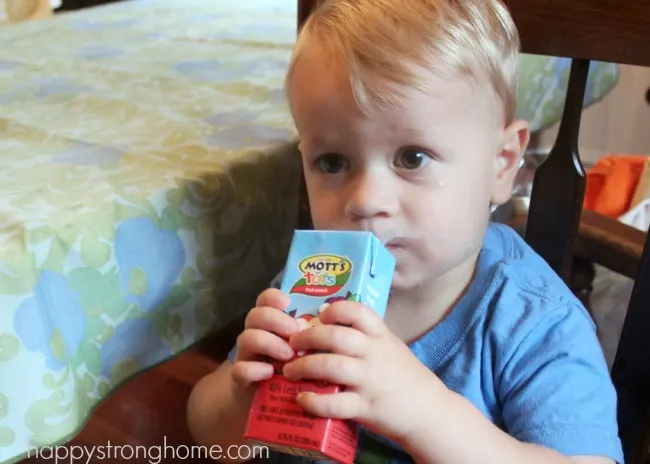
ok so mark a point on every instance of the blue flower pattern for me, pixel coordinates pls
(149, 350)
(562, 69)
(6, 65)
(141, 245)
(88, 154)
(53, 307)
(98, 52)
(48, 86)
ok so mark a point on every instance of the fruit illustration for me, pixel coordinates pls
(309, 320)
(349, 296)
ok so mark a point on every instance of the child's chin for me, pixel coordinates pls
(402, 282)
(406, 278)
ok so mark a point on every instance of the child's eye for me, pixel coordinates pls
(331, 163)
(412, 159)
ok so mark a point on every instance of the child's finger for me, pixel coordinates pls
(246, 373)
(273, 298)
(333, 368)
(334, 338)
(344, 405)
(355, 315)
(272, 320)
(252, 343)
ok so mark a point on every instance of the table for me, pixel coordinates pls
(148, 191)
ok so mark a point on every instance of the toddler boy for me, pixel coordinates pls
(406, 116)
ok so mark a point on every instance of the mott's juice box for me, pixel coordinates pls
(322, 267)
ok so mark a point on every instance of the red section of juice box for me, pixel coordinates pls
(279, 422)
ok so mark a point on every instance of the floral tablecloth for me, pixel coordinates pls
(148, 191)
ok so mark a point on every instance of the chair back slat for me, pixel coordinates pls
(305, 7)
(559, 184)
(304, 214)
(631, 367)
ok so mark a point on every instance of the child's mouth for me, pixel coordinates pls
(388, 239)
(392, 246)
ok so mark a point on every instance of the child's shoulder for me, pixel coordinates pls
(523, 310)
(515, 304)
(508, 255)
(518, 284)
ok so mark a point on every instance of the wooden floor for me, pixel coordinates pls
(148, 412)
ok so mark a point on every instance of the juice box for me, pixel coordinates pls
(322, 267)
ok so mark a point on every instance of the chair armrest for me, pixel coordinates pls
(610, 243)
(602, 240)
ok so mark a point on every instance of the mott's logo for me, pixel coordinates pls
(322, 275)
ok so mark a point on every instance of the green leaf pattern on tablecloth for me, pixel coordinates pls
(148, 191)
(7, 435)
(9, 347)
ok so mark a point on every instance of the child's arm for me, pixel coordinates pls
(219, 404)
(556, 401)
(217, 412)
(469, 437)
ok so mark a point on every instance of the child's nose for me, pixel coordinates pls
(370, 196)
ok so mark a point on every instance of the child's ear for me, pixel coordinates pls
(514, 141)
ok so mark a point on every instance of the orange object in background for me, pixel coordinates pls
(612, 182)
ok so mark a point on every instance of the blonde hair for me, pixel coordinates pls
(388, 42)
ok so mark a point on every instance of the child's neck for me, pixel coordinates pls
(414, 312)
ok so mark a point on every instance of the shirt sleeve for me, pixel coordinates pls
(556, 390)
(275, 283)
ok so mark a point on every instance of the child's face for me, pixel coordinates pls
(422, 175)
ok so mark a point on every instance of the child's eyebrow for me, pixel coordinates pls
(413, 132)
(319, 140)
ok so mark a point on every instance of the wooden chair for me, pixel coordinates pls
(556, 226)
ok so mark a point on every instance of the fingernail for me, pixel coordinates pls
(302, 396)
(302, 324)
(287, 373)
(296, 325)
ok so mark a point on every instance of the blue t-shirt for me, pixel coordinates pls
(522, 348)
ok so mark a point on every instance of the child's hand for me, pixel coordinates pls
(267, 329)
(385, 384)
